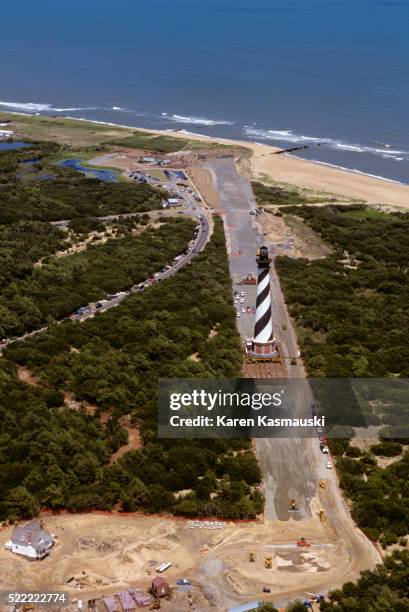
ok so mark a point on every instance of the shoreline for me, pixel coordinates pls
(288, 169)
(229, 141)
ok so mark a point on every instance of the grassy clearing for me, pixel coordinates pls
(267, 195)
(365, 213)
(279, 193)
(80, 134)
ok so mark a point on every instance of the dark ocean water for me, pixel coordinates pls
(286, 72)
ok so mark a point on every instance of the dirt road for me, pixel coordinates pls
(291, 468)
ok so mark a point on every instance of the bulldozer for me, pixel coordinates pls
(322, 515)
(268, 561)
(322, 483)
(293, 504)
(252, 557)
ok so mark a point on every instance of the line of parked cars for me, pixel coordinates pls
(239, 299)
(140, 287)
(324, 446)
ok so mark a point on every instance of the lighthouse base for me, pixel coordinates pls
(261, 351)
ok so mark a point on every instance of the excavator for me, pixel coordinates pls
(268, 561)
(252, 557)
(322, 515)
(322, 483)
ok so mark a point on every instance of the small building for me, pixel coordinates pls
(173, 202)
(160, 587)
(31, 541)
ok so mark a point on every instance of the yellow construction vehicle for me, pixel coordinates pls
(293, 505)
(322, 484)
(252, 557)
(268, 561)
(322, 515)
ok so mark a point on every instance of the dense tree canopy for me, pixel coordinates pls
(386, 589)
(115, 360)
(25, 195)
(62, 284)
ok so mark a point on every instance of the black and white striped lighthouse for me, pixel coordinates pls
(263, 344)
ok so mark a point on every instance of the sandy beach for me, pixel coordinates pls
(318, 177)
(311, 175)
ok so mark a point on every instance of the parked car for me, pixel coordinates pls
(329, 465)
(324, 448)
(238, 315)
(182, 581)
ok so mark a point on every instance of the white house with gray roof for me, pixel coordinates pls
(32, 541)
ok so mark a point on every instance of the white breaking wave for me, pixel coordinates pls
(286, 135)
(350, 147)
(196, 120)
(34, 107)
(28, 106)
(297, 139)
(75, 108)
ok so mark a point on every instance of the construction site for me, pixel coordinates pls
(219, 564)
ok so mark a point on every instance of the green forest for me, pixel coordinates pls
(60, 285)
(114, 361)
(33, 187)
(34, 284)
(352, 314)
(383, 590)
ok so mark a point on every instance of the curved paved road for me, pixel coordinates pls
(203, 235)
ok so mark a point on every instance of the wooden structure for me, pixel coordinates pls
(160, 587)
